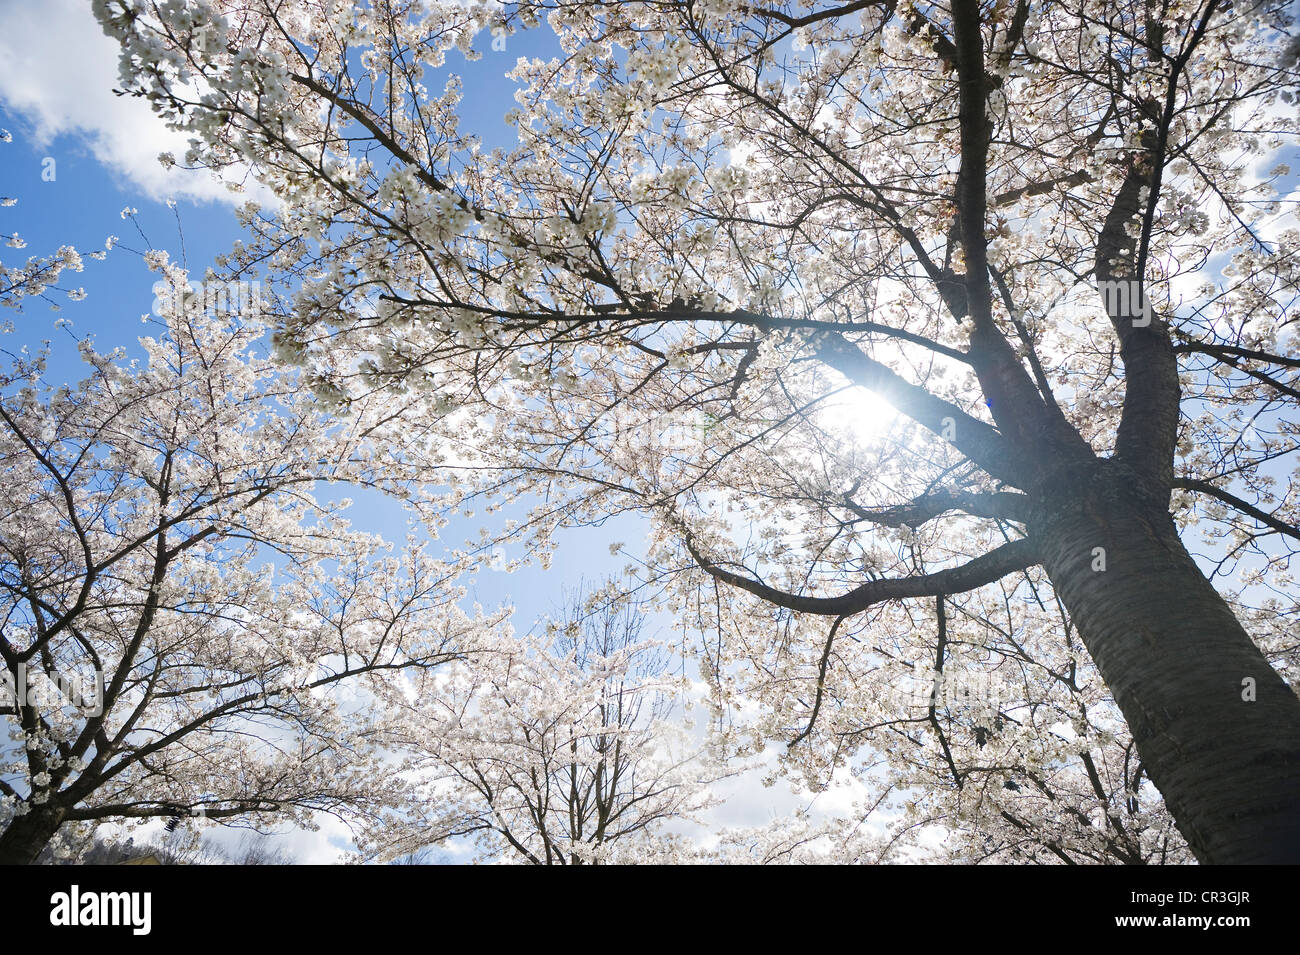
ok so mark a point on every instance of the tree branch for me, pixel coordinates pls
(1209, 490)
(999, 505)
(1017, 555)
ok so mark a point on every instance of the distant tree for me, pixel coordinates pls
(418, 857)
(559, 749)
(255, 849)
(252, 849)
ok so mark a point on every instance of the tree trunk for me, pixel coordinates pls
(21, 843)
(1180, 666)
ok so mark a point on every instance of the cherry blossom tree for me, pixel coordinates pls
(563, 748)
(186, 627)
(882, 311)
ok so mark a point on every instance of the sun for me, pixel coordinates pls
(858, 413)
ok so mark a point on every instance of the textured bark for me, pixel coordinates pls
(24, 838)
(1175, 657)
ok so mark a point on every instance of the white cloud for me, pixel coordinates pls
(60, 70)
